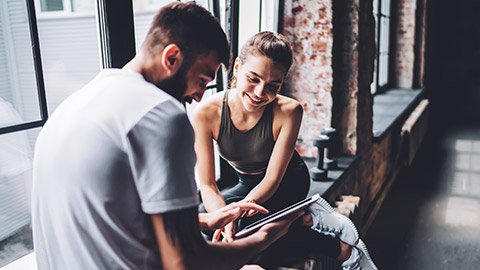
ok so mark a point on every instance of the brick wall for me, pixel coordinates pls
(331, 77)
(419, 68)
(345, 76)
(308, 25)
(405, 56)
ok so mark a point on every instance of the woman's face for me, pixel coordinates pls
(259, 80)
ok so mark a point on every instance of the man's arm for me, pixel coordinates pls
(182, 246)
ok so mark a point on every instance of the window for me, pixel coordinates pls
(23, 107)
(22, 111)
(66, 6)
(70, 53)
(256, 16)
(70, 58)
(381, 12)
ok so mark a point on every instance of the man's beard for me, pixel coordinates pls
(176, 86)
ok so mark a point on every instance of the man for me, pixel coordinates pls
(114, 165)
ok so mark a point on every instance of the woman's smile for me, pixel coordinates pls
(254, 100)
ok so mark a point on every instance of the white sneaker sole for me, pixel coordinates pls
(353, 241)
(361, 245)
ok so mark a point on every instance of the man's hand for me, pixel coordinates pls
(307, 220)
(222, 216)
(272, 231)
(227, 232)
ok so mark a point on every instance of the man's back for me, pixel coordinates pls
(99, 167)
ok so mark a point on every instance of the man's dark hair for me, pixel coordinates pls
(192, 28)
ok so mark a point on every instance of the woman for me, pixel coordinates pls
(255, 129)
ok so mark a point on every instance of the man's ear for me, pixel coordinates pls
(171, 59)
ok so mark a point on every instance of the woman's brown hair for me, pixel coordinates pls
(272, 45)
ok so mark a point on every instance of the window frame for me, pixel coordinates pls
(32, 22)
(379, 89)
(67, 7)
(114, 53)
(66, 12)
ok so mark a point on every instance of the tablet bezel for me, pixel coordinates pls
(270, 218)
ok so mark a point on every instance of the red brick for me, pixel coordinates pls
(297, 9)
(310, 79)
(319, 46)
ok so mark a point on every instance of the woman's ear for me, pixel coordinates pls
(235, 66)
(171, 59)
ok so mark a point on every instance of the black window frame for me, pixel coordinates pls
(42, 100)
(391, 46)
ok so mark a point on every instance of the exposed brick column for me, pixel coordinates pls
(366, 59)
(405, 56)
(345, 75)
(308, 24)
(420, 44)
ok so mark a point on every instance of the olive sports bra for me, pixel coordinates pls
(248, 151)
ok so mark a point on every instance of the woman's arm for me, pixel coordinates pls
(204, 119)
(288, 117)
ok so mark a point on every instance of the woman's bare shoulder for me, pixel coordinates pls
(209, 108)
(287, 105)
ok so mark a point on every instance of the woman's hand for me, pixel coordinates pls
(251, 212)
(222, 216)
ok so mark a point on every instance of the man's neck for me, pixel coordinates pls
(146, 67)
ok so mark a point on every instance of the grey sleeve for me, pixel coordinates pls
(162, 157)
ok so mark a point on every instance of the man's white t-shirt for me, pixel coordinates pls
(114, 152)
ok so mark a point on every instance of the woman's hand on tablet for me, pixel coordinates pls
(225, 215)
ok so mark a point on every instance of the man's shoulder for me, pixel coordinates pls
(133, 94)
(166, 119)
(133, 85)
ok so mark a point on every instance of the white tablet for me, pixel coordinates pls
(270, 218)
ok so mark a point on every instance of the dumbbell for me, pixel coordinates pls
(317, 172)
(329, 162)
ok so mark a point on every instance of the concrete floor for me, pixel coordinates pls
(431, 216)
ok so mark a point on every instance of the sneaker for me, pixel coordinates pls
(329, 222)
(359, 259)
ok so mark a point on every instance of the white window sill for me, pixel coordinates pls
(26, 262)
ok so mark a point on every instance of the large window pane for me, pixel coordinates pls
(19, 103)
(82, 5)
(15, 186)
(256, 16)
(70, 53)
(51, 5)
(381, 12)
(18, 85)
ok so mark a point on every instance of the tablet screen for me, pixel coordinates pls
(270, 218)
